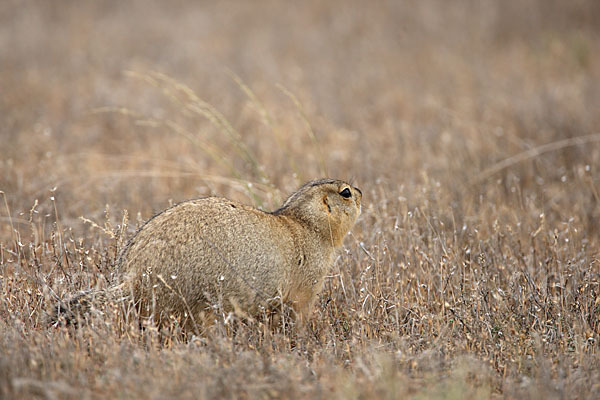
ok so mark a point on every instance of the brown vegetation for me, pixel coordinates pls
(471, 128)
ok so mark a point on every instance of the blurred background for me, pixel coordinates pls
(471, 127)
(138, 104)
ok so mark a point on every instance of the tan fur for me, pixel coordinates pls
(214, 252)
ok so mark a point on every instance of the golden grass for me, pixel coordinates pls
(471, 128)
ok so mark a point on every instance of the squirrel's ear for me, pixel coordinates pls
(326, 202)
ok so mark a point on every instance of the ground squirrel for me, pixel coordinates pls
(216, 253)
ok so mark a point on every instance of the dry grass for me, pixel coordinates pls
(472, 129)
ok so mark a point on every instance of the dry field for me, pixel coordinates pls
(472, 128)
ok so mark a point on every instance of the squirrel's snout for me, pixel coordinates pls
(358, 199)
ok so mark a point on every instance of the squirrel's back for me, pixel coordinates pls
(205, 252)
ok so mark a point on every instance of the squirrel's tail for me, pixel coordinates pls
(78, 306)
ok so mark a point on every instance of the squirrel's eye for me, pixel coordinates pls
(346, 193)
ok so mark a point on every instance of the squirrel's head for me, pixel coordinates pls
(329, 206)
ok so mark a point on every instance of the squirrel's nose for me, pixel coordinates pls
(358, 199)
